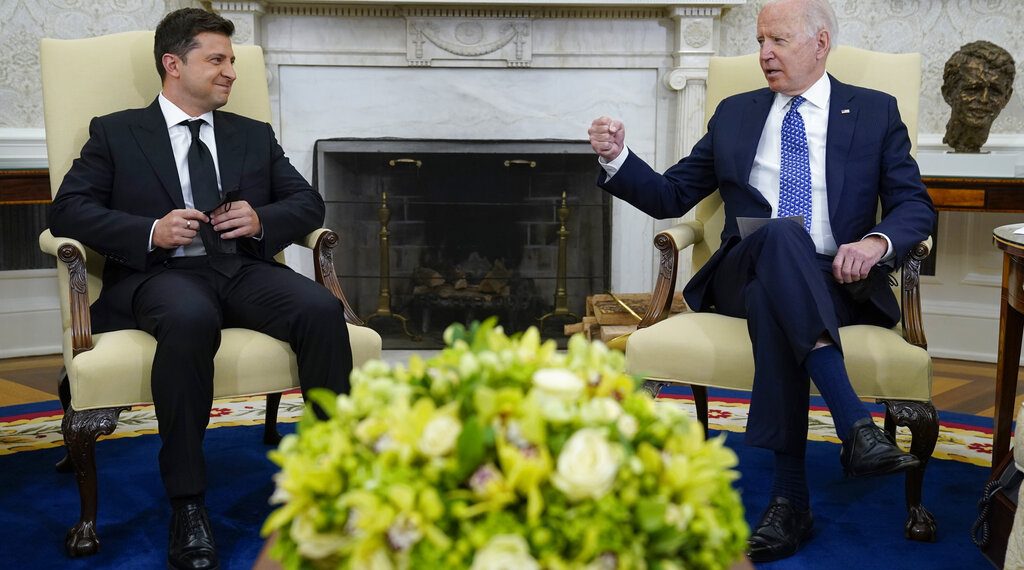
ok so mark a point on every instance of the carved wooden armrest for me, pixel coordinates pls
(670, 242)
(72, 254)
(910, 291)
(323, 241)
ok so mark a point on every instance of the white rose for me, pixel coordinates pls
(600, 411)
(627, 425)
(553, 409)
(439, 435)
(587, 465)
(558, 383)
(505, 552)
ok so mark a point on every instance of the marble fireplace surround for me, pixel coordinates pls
(485, 70)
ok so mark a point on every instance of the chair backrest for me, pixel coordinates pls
(90, 77)
(898, 74)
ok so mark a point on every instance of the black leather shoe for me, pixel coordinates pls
(870, 451)
(191, 546)
(781, 532)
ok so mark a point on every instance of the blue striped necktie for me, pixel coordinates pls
(795, 166)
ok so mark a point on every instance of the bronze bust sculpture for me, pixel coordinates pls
(977, 83)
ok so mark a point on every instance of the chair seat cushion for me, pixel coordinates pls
(116, 371)
(713, 350)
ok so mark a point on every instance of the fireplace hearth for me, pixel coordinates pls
(436, 232)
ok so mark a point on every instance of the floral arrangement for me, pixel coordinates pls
(503, 453)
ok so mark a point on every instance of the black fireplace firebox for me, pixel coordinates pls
(441, 231)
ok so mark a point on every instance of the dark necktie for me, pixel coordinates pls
(206, 197)
(795, 167)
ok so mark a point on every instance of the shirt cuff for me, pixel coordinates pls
(613, 166)
(888, 246)
(151, 230)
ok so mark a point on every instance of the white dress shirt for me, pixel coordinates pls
(764, 173)
(181, 140)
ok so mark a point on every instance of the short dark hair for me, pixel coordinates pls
(176, 33)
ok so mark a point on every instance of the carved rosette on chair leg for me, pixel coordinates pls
(923, 422)
(652, 387)
(81, 430)
(270, 434)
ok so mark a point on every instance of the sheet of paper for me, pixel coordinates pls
(748, 226)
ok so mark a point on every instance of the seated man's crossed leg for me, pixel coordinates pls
(794, 308)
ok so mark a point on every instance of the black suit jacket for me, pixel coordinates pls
(868, 162)
(125, 179)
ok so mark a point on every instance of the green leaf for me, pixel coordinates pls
(471, 447)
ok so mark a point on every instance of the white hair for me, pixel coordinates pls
(818, 16)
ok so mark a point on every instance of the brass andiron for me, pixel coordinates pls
(384, 293)
(561, 295)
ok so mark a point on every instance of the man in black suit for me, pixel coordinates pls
(189, 205)
(830, 153)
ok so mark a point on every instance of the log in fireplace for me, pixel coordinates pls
(441, 231)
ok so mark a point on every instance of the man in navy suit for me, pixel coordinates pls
(189, 205)
(812, 147)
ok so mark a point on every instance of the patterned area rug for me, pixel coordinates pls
(962, 438)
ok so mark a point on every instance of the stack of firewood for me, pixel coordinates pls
(609, 316)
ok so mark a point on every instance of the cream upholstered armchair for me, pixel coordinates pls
(707, 350)
(110, 372)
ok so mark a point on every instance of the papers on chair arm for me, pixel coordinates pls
(748, 226)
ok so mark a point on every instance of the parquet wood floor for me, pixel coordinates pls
(958, 385)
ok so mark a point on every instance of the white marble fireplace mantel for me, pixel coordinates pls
(492, 69)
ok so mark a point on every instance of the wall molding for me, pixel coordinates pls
(22, 148)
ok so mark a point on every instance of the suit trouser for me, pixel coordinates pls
(186, 306)
(786, 291)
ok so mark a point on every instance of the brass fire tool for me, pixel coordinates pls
(561, 296)
(384, 293)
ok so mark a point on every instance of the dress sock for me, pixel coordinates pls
(791, 480)
(827, 369)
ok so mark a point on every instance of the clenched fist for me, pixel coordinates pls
(607, 137)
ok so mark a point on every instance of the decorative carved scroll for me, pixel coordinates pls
(323, 263)
(78, 297)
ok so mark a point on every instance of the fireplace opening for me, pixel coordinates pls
(440, 231)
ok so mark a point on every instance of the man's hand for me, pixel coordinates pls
(854, 261)
(236, 220)
(607, 137)
(177, 228)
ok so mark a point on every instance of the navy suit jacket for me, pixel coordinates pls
(867, 162)
(125, 179)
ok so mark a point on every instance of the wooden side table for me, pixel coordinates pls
(1011, 325)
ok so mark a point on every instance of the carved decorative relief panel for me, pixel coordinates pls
(498, 40)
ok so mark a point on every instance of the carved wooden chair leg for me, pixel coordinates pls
(270, 434)
(700, 401)
(81, 429)
(923, 422)
(64, 393)
(652, 387)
